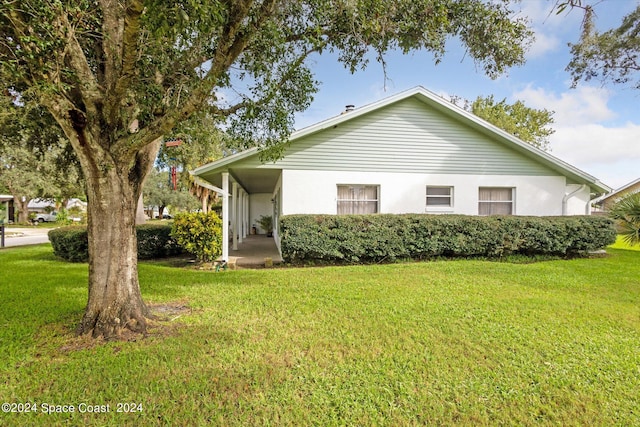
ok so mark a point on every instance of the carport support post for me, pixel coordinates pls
(241, 216)
(225, 216)
(245, 219)
(234, 214)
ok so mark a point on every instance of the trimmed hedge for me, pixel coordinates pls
(154, 241)
(374, 238)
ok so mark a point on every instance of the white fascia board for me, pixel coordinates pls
(202, 183)
(224, 161)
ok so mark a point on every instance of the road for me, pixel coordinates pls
(25, 236)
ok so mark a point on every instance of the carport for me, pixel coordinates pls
(7, 201)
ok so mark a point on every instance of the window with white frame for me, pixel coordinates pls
(495, 201)
(439, 196)
(358, 199)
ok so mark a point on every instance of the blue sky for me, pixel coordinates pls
(597, 127)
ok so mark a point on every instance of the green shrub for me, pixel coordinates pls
(199, 234)
(374, 238)
(154, 241)
(70, 243)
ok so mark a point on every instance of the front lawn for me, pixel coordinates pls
(437, 343)
(621, 244)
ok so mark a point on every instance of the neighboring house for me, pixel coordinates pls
(48, 205)
(410, 153)
(7, 211)
(603, 203)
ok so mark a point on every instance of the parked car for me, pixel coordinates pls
(46, 217)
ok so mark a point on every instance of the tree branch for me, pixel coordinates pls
(89, 89)
(231, 43)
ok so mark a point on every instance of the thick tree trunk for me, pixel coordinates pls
(115, 303)
(23, 208)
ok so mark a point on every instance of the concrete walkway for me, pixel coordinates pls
(252, 252)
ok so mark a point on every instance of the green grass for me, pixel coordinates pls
(438, 343)
(621, 244)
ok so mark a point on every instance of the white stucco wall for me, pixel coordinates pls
(309, 192)
(578, 202)
(259, 204)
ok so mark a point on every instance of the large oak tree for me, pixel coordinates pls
(117, 75)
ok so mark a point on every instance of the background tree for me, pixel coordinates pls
(611, 56)
(202, 142)
(35, 159)
(528, 124)
(159, 191)
(118, 75)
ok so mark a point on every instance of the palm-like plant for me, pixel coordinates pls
(627, 214)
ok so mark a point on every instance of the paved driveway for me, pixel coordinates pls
(25, 236)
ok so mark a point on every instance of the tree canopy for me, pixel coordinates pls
(610, 56)
(118, 75)
(529, 124)
(36, 160)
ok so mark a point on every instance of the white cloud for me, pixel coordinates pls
(544, 43)
(583, 105)
(595, 143)
(583, 138)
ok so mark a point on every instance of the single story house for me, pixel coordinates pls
(603, 203)
(413, 152)
(49, 205)
(6, 208)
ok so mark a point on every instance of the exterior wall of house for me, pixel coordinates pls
(315, 192)
(405, 137)
(610, 201)
(259, 204)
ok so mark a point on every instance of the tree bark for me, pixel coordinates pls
(115, 302)
(23, 208)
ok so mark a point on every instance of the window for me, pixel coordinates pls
(439, 196)
(357, 199)
(495, 201)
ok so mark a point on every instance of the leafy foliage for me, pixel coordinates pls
(36, 161)
(199, 233)
(372, 238)
(528, 124)
(154, 241)
(626, 212)
(613, 55)
(70, 243)
(159, 192)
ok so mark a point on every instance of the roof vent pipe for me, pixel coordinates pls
(349, 108)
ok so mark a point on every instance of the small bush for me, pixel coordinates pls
(154, 241)
(374, 238)
(70, 243)
(199, 234)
